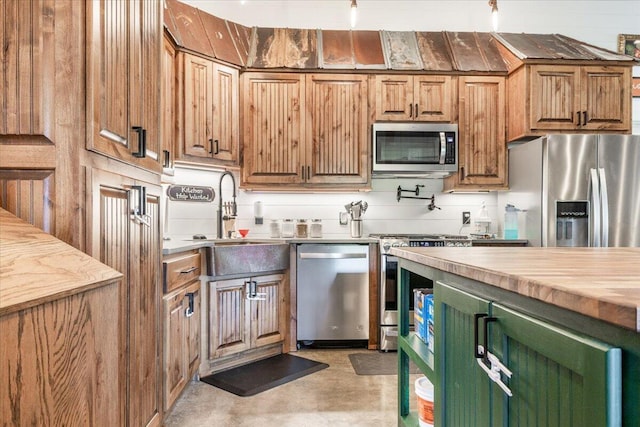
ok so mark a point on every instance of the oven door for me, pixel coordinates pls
(389, 291)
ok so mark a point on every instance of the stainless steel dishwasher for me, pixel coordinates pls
(332, 292)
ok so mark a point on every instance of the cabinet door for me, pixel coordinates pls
(606, 98)
(229, 318)
(555, 97)
(145, 54)
(433, 98)
(132, 248)
(225, 114)
(144, 313)
(462, 389)
(394, 97)
(108, 79)
(267, 313)
(273, 128)
(482, 148)
(123, 70)
(175, 371)
(336, 141)
(198, 98)
(559, 378)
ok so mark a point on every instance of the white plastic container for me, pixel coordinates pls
(274, 228)
(424, 391)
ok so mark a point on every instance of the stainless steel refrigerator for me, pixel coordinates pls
(577, 190)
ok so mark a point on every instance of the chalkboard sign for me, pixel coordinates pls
(190, 193)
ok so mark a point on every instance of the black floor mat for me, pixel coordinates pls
(264, 374)
(377, 363)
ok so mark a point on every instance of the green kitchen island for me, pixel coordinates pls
(526, 336)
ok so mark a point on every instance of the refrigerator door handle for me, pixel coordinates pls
(604, 207)
(595, 204)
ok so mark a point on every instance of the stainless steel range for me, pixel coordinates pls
(389, 275)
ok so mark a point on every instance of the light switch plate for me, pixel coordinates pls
(466, 218)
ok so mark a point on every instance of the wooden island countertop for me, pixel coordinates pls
(36, 268)
(603, 283)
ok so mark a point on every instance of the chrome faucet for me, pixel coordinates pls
(234, 211)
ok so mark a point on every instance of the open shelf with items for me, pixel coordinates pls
(410, 347)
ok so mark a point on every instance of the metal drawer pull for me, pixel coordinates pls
(324, 255)
(189, 270)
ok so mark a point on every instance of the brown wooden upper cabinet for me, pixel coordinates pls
(568, 98)
(305, 130)
(482, 151)
(210, 111)
(124, 45)
(423, 98)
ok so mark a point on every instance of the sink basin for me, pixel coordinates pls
(246, 258)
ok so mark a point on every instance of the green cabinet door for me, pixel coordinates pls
(559, 378)
(462, 389)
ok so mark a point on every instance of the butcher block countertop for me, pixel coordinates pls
(35, 267)
(603, 283)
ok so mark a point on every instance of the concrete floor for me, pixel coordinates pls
(334, 397)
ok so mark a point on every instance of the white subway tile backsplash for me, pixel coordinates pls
(384, 214)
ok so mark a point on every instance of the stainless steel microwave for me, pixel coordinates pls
(415, 149)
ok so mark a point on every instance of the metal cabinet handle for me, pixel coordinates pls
(167, 159)
(416, 110)
(308, 172)
(253, 294)
(217, 145)
(210, 145)
(584, 118)
(578, 117)
(188, 270)
(190, 308)
(410, 110)
(489, 363)
(142, 141)
(303, 173)
(139, 212)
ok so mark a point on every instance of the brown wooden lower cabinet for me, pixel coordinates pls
(245, 314)
(124, 232)
(181, 340)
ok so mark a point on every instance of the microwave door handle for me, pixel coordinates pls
(443, 147)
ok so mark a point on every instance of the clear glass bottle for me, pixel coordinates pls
(288, 229)
(302, 229)
(316, 228)
(274, 228)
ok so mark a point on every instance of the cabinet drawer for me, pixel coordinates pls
(181, 270)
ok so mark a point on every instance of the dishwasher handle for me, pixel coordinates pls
(331, 255)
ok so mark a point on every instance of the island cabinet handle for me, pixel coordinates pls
(478, 351)
(188, 270)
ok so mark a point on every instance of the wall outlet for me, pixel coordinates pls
(466, 218)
